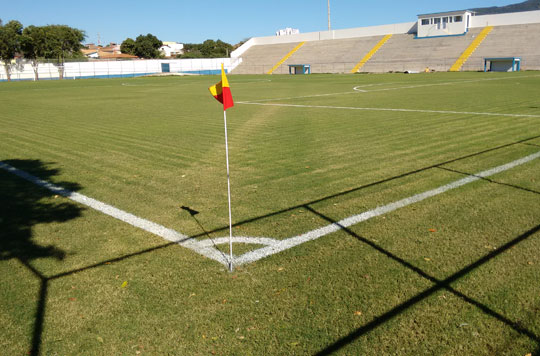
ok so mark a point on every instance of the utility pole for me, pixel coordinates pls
(329, 26)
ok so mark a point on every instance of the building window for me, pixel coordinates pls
(437, 20)
(425, 22)
(445, 19)
(458, 18)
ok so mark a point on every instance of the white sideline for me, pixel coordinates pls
(355, 219)
(146, 225)
(357, 89)
(207, 247)
(386, 109)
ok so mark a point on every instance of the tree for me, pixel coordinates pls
(128, 46)
(10, 36)
(207, 49)
(62, 42)
(147, 46)
(34, 45)
(191, 50)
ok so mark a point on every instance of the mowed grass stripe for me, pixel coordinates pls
(58, 150)
(96, 170)
(74, 162)
(401, 138)
(168, 156)
(294, 134)
(281, 158)
(88, 132)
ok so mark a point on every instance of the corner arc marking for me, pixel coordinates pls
(206, 247)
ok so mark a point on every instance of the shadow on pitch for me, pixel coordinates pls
(193, 213)
(439, 285)
(22, 206)
(382, 181)
(206, 233)
(491, 180)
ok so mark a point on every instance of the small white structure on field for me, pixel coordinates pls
(452, 23)
(287, 31)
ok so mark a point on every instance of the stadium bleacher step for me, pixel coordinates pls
(470, 50)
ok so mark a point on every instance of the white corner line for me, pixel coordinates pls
(286, 244)
(387, 109)
(146, 225)
(207, 247)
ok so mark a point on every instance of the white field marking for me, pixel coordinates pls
(146, 225)
(298, 97)
(149, 85)
(388, 109)
(283, 245)
(207, 247)
(239, 239)
(356, 91)
(358, 88)
(209, 244)
(249, 81)
(183, 84)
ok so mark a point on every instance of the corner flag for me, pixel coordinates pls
(222, 91)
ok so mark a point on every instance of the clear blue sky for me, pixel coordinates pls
(231, 21)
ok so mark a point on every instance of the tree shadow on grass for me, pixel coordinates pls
(438, 285)
(23, 204)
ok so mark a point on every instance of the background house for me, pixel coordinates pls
(171, 49)
(109, 52)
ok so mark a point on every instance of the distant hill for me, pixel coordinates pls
(529, 5)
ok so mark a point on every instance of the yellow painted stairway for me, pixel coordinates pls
(285, 58)
(470, 50)
(370, 54)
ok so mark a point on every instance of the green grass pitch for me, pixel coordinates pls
(455, 274)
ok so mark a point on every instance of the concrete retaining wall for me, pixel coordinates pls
(514, 18)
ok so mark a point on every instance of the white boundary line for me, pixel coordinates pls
(146, 225)
(387, 109)
(357, 89)
(207, 247)
(355, 219)
(299, 97)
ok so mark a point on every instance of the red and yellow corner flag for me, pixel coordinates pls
(222, 91)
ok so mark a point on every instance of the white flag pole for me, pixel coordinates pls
(231, 267)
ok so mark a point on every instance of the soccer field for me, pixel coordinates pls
(372, 214)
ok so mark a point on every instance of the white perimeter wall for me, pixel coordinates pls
(24, 71)
(514, 18)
